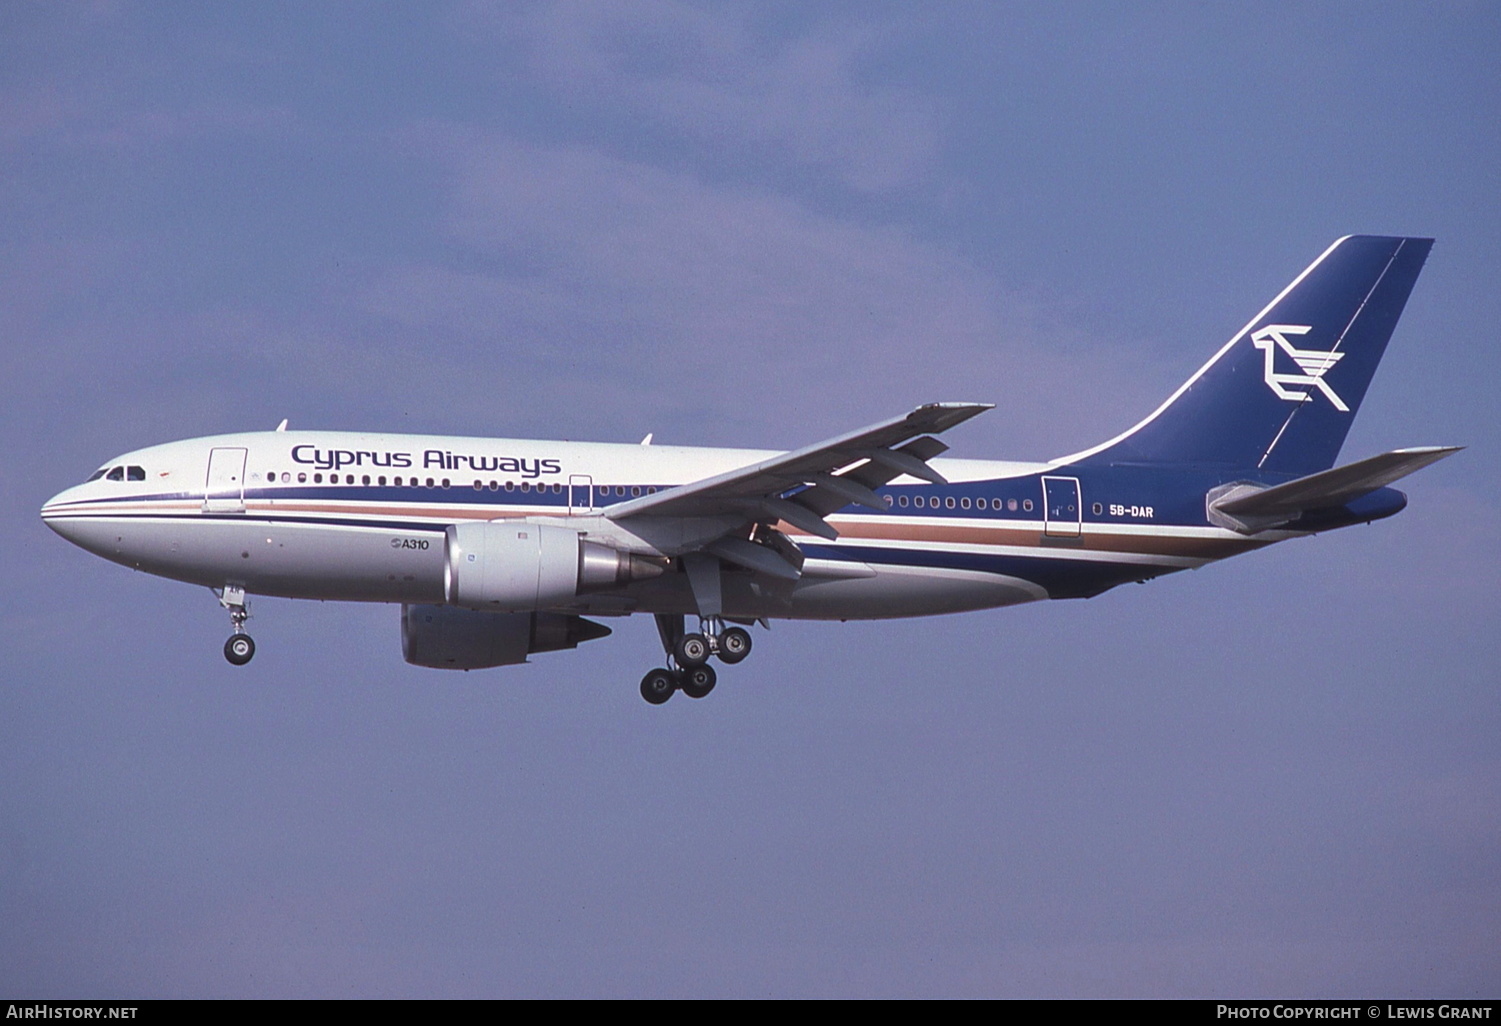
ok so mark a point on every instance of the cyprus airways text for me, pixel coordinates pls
(441, 459)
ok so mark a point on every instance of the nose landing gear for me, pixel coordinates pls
(240, 648)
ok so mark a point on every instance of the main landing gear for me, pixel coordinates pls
(240, 648)
(688, 655)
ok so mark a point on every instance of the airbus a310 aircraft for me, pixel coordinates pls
(498, 549)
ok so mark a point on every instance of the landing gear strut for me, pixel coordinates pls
(688, 654)
(240, 648)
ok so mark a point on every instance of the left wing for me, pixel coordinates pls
(804, 486)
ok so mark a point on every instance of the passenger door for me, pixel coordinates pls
(224, 488)
(580, 494)
(1062, 510)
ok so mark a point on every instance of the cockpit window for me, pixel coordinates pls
(116, 474)
(135, 473)
(96, 475)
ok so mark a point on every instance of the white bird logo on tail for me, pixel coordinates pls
(1314, 363)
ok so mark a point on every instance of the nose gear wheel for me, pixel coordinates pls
(240, 648)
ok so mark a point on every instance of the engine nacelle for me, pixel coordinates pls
(513, 566)
(447, 638)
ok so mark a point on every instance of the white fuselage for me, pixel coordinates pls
(362, 517)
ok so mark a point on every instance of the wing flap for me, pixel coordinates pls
(753, 557)
(771, 509)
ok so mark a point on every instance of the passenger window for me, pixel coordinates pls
(365, 479)
(116, 474)
(302, 479)
(964, 503)
(381, 480)
(317, 479)
(901, 500)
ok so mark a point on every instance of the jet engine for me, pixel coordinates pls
(514, 566)
(446, 638)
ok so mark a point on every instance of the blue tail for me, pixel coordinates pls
(1280, 396)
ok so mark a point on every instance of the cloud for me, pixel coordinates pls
(709, 74)
(584, 274)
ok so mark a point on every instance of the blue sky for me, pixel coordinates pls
(749, 225)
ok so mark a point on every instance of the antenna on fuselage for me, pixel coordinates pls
(647, 439)
(283, 425)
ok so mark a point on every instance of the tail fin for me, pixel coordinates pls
(1281, 394)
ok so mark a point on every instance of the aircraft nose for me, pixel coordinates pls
(54, 516)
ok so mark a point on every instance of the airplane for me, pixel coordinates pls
(498, 549)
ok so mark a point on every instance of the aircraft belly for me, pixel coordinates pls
(896, 591)
(886, 592)
(290, 560)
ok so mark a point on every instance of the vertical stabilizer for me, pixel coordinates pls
(1280, 396)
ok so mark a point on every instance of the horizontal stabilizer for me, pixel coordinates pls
(1249, 508)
